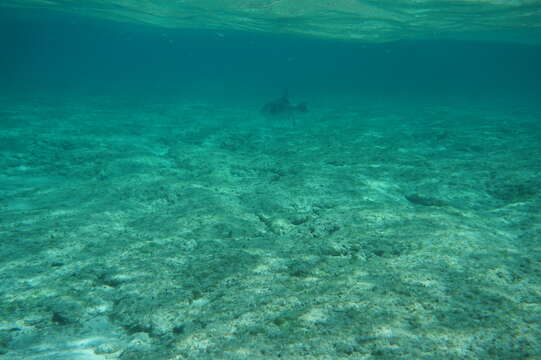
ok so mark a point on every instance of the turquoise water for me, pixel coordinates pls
(150, 210)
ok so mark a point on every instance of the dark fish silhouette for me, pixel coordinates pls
(282, 107)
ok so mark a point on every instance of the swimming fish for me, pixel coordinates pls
(282, 107)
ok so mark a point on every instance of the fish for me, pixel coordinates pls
(282, 107)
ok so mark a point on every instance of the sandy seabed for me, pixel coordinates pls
(193, 230)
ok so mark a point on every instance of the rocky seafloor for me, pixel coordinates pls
(195, 230)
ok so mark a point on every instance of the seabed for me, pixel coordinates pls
(191, 229)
